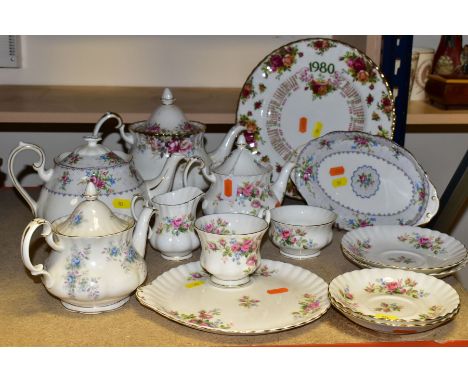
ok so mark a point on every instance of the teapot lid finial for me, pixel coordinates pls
(241, 142)
(167, 98)
(91, 192)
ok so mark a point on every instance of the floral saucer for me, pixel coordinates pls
(280, 297)
(308, 88)
(404, 247)
(392, 296)
(366, 180)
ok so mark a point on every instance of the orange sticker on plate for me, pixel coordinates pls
(339, 170)
(303, 125)
(277, 290)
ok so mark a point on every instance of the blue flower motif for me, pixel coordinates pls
(75, 261)
(114, 251)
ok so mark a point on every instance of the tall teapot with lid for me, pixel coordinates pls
(242, 184)
(97, 257)
(168, 131)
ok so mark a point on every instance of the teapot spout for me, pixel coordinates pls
(163, 183)
(279, 187)
(225, 147)
(140, 233)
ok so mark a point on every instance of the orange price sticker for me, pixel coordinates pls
(277, 290)
(303, 125)
(228, 187)
(338, 170)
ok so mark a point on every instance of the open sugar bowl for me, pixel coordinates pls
(231, 246)
(301, 232)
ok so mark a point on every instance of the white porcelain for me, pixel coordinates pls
(404, 247)
(241, 184)
(301, 232)
(112, 172)
(422, 71)
(308, 88)
(280, 297)
(173, 231)
(354, 173)
(168, 131)
(230, 246)
(393, 296)
(97, 257)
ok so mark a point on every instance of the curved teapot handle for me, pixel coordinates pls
(25, 242)
(45, 175)
(189, 164)
(132, 206)
(104, 118)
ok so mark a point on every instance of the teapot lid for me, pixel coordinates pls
(242, 162)
(92, 153)
(92, 218)
(168, 119)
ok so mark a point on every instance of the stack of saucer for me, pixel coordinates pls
(394, 301)
(406, 248)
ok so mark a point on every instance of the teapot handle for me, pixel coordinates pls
(104, 118)
(189, 164)
(25, 243)
(132, 206)
(45, 175)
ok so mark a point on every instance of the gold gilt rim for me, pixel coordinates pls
(445, 273)
(366, 57)
(391, 323)
(381, 265)
(159, 310)
(414, 321)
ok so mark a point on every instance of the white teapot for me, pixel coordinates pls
(243, 185)
(97, 257)
(112, 172)
(168, 131)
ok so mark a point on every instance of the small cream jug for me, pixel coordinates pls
(97, 257)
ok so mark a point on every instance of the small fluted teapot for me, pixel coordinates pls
(167, 131)
(97, 257)
(242, 184)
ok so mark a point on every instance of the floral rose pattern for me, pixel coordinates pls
(76, 278)
(386, 105)
(252, 135)
(319, 86)
(247, 91)
(308, 305)
(401, 259)
(433, 312)
(362, 142)
(101, 179)
(247, 302)
(237, 249)
(111, 158)
(321, 46)
(195, 276)
(359, 247)
(218, 227)
(64, 180)
(176, 225)
(359, 222)
(205, 318)
(292, 237)
(281, 61)
(396, 287)
(164, 145)
(431, 243)
(360, 68)
(388, 307)
(264, 271)
(347, 298)
(72, 159)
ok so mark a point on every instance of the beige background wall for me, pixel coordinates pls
(207, 61)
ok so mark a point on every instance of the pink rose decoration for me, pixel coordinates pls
(246, 245)
(222, 242)
(235, 247)
(212, 246)
(424, 242)
(173, 147)
(185, 146)
(392, 286)
(359, 64)
(313, 305)
(276, 61)
(177, 222)
(256, 204)
(247, 190)
(209, 228)
(251, 261)
(285, 234)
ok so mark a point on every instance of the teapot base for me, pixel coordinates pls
(95, 309)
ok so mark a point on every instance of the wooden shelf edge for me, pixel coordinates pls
(423, 113)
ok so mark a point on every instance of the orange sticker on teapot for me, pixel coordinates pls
(228, 187)
(121, 203)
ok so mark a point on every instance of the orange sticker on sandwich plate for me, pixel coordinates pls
(338, 170)
(277, 290)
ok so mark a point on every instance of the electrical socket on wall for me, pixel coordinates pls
(9, 52)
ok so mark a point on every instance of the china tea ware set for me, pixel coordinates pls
(98, 208)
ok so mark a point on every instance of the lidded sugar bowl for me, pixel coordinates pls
(97, 257)
(167, 131)
(242, 184)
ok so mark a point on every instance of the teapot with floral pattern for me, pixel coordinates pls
(243, 185)
(97, 257)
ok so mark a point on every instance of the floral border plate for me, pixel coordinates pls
(404, 247)
(280, 297)
(394, 296)
(366, 180)
(308, 88)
